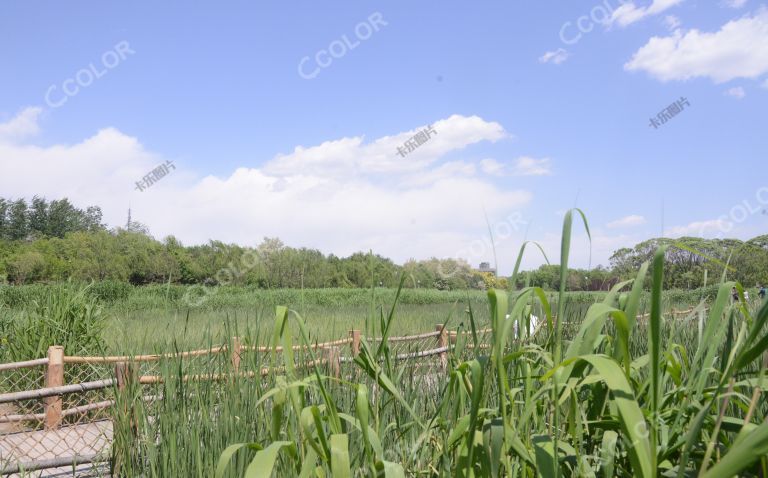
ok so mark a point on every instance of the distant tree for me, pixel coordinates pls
(91, 219)
(46, 241)
(17, 221)
(26, 267)
(38, 217)
(63, 218)
(4, 207)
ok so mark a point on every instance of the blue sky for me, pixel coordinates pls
(537, 106)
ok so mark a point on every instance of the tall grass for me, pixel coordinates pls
(597, 393)
(63, 315)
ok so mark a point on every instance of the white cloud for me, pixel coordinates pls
(700, 228)
(492, 167)
(737, 92)
(738, 50)
(417, 206)
(627, 221)
(527, 166)
(352, 156)
(557, 56)
(522, 166)
(672, 22)
(629, 13)
(21, 126)
(734, 3)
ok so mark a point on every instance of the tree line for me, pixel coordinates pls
(43, 241)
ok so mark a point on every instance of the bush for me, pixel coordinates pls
(64, 315)
(110, 291)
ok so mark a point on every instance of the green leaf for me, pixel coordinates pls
(228, 453)
(264, 462)
(546, 461)
(608, 452)
(631, 418)
(340, 456)
(743, 454)
(388, 469)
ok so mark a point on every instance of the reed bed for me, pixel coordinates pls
(613, 387)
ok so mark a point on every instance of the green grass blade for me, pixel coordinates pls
(546, 461)
(608, 452)
(228, 453)
(631, 418)
(388, 469)
(264, 462)
(654, 347)
(743, 454)
(340, 456)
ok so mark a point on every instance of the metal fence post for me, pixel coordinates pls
(54, 377)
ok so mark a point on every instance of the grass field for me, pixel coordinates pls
(156, 318)
(613, 385)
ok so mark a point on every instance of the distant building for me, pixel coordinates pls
(486, 267)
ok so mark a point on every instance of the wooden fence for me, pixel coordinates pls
(45, 422)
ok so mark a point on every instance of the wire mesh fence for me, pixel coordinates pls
(47, 425)
(58, 414)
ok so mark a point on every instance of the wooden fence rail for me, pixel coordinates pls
(25, 364)
(56, 391)
(330, 355)
(69, 461)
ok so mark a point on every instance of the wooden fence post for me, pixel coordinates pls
(442, 341)
(54, 377)
(334, 360)
(123, 374)
(355, 336)
(235, 353)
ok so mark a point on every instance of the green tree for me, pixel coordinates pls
(24, 267)
(17, 220)
(38, 217)
(4, 209)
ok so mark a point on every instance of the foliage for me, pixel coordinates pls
(689, 261)
(54, 241)
(62, 315)
(19, 220)
(619, 394)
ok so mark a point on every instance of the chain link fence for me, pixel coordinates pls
(58, 414)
